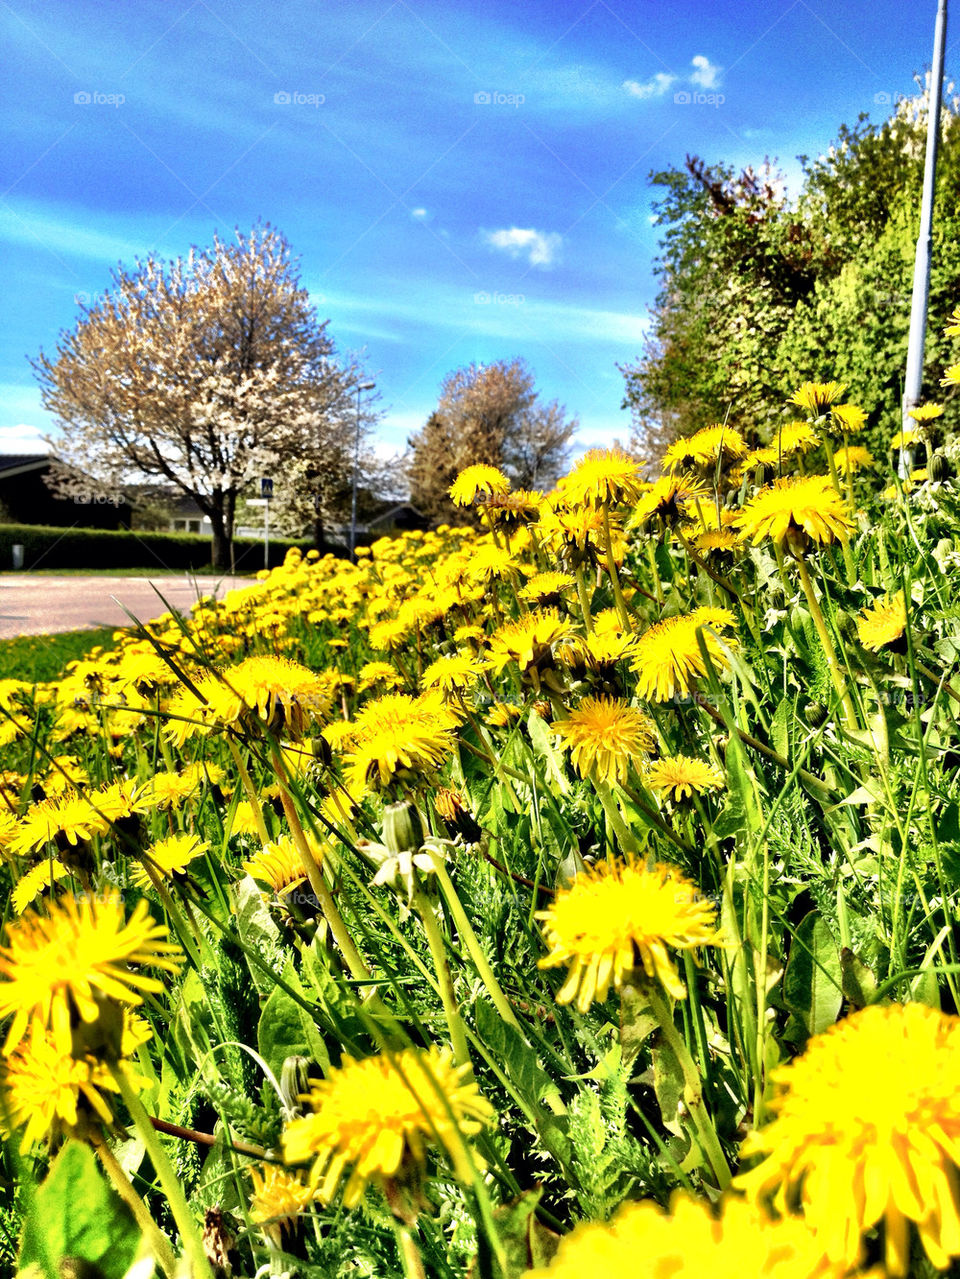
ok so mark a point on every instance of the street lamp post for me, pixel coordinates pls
(361, 386)
(921, 270)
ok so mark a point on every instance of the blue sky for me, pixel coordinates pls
(461, 181)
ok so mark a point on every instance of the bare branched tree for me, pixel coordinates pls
(203, 372)
(487, 414)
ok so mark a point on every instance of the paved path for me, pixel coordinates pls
(32, 605)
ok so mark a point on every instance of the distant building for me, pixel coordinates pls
(26, 499)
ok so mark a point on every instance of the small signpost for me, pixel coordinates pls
(266, 493)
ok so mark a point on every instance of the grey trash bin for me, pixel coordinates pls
(17, 550)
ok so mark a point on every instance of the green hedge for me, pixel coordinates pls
(46, 547)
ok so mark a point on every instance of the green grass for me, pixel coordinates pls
(45, 657)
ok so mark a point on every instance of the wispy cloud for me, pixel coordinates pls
(540, 248)
(653, 88)
(706, 74)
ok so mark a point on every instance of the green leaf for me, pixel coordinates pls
(526, 1242)
(258, 932)
(542, 741)
(859, 983)
(668, 1084)
(637, 1024)
(812, 982)
(77, 1223)
(285, 1030)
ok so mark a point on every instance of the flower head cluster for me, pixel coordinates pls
(605, 737)
(667, 657)
(372, 1117)
(797, 507)
(867, 1130)
(690, 1242)
(58, 969)
(619, 917)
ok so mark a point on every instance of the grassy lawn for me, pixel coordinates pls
(45, 657)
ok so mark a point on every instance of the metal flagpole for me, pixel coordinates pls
(921, 267)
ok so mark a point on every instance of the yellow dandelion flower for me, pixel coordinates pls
(278, 865)
(619, 916)
(925, 413)
(601, 477)
(605, 737)
(951, 376)
(391, 634)
(491, 563)
(35, 881)
(716, 539)
(478, 481)
(667, 657)
(816, 397)
(511, 510)
(278, 1198)
(790, 507)
(453, 672)
(883, 623)
(953, 324)
(683, 775)
(689, 1242)
(377, 1115)
(374, 673)
(716, 443)
(503, 714)
(399, 734)
(905, 438)
(286, 696)
(867, 1130)
(849, 417)
(668, 500)
(168, 857)
(528, 640)
(44, 1090)
(853, 458)
(795, 437)
(546, 586)
(58, 966)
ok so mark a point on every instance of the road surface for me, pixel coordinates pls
(35, 605)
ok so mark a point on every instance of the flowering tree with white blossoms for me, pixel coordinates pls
(205, 372)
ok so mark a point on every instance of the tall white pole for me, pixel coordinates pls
(921, 267)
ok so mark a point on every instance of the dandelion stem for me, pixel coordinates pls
(428, 917)
(124, 1188)
(829, 652)
(189, 1234)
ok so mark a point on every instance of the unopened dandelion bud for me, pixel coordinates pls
(402, 827)
(939, 468)
(294, 1083)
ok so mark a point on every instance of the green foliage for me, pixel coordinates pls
(45, 657)
(756, 286)
(76, 1223)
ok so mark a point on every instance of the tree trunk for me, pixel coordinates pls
(221, 544)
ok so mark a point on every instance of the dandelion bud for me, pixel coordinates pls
(294, 1083)
(402, 827)
(939, 468)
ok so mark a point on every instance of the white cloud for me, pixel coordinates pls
(538, 247)
(654, 88)
(419, 214)
(22, 438)
(707, 74)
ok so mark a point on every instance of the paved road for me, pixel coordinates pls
(44, 605)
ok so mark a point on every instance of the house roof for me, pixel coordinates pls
(18, 463)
